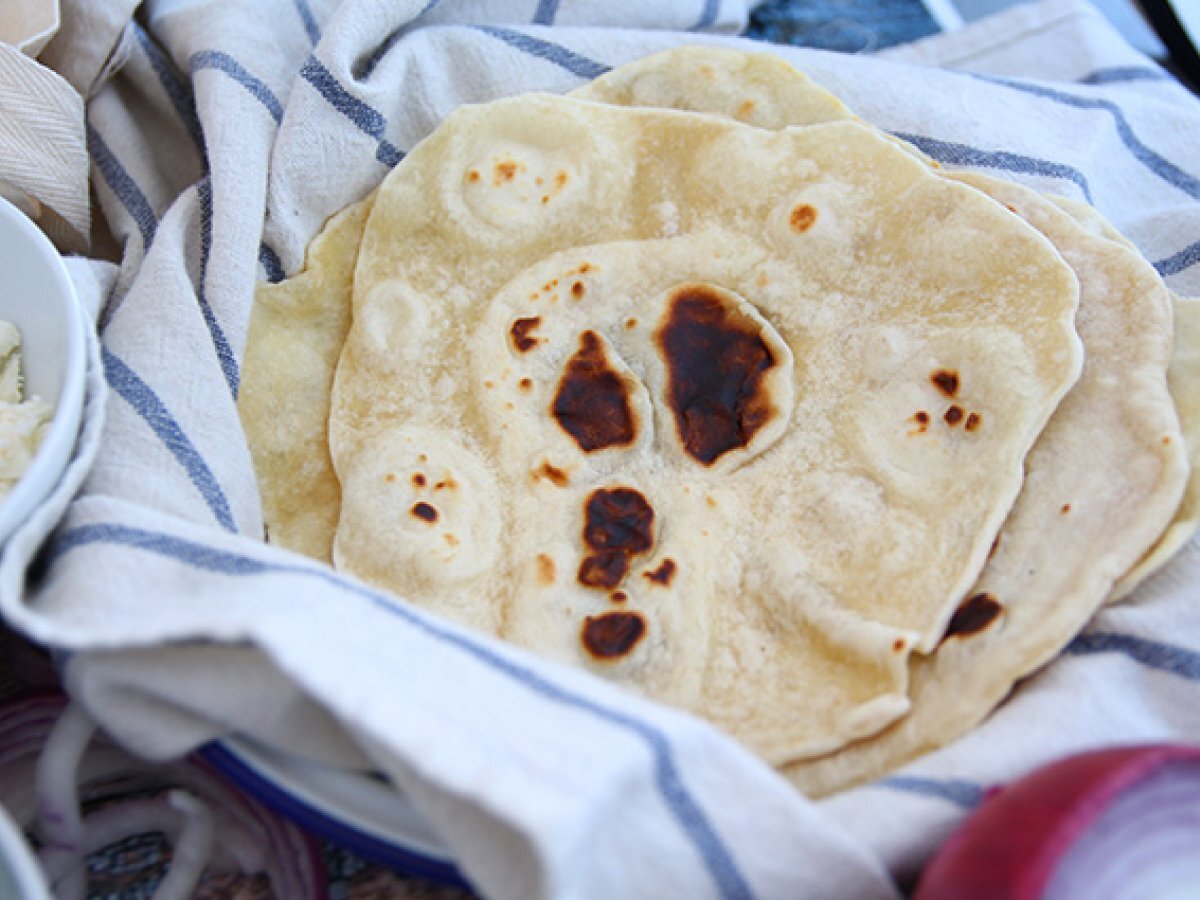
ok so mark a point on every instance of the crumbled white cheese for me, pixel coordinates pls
(23, 422)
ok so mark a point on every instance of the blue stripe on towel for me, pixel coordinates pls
(1177, 262)
(1154, 654)
(962, 793)
(271, 264)
(129, 385)
(545, 12)
(363, 70)
(223, 62)
(369, 120)
(310, 21)
(121, 183)
(178, 91)
(1123, 74)
(964, 155)
(708, 15)
(225, 355)
(546, 50)
(718, 859)
(1163, 168)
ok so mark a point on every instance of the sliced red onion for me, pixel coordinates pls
(59, 823)
(210, 825)
(192, 850)
(1118, 823)
(1145, 844)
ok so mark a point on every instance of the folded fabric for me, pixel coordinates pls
(43, 157)
(221, 138)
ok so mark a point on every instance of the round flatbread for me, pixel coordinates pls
(738, 442)
(1004, 640)
(1183, 376)
(1101, 482)
(1115, 441)
(756, 88)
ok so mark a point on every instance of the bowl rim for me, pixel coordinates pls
(45, 470)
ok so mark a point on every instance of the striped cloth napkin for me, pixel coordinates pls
(221, 136)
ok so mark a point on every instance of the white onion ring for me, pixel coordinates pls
(210, 824)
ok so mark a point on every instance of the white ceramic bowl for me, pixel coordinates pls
(37, 296)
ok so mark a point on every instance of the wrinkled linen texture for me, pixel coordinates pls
(221, 136)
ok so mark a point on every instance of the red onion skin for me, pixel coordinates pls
(1008, 848)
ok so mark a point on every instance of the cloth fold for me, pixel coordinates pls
(43, 156)
(221, 136)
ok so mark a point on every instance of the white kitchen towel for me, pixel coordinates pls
(43, 154)
(222, 134)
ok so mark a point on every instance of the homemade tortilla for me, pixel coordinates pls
(1183, 376)
(756, 88)
(891, 343)
(1101, 482)
(297, 328)
(1115, 441)
(1019, 636)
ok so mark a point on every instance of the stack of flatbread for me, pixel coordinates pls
(698, 381)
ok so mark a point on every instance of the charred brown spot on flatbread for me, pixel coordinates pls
(592, 401)
(506, 170)
(716, 360)
(973, 422)
(425, 512)
(664, 574)
(604, 570)
(974, 615)
(552, 473)
(612, 635)
(522, 333)
(618, 524)
(803, 217)
(618, 519)
(953, 415)
(946, 381)
(546, 570)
